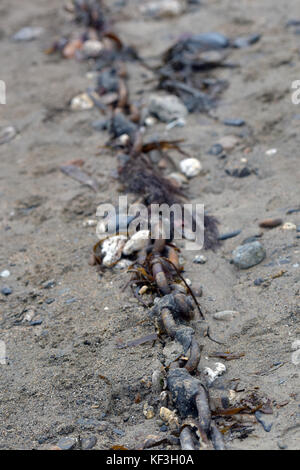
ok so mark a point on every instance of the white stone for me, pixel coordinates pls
(220, 369)
(167, 108)
(5, 273)
(137, 242)
(92, 48)
(112, 249)
(226, 315)
(271, 152)
(164, 8)
(190, 167)
(82, 102)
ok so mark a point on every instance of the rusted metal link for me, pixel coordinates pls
(202, 405)
(186, 439)
(168, 322)
(194, 359)
(217, 437)
(160, 277)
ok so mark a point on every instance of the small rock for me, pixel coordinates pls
(216, 149)
(200, 259)
(289, 226)
(82, 102)
(246, 256)
(157, 381)
(148, 411)
(207, 41)
(226, 315)
(6, 290)
(7, 134)
(167, 108)
(228, 142)
(234, 122)
(246, 41)
(258, 281)
(49, 284)
(123, 264)
(119, 432)
(163, 9)
(88, 443)
(5, 273)
(270, 223)
(241, 172)
(66, 443)
(49, 301)
(112, 249)
(226, 236)
(211, 374)
(271, 152)
(178, 178)
(137, 242)
(190, 167)
(264, 420)
(92, 48)
(198, 290)
(28, 33)
(298, 228)
(169, 417)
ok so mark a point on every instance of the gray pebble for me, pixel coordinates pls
(199, 259)
(226, 315)
(6, 290)
(234, 122)
(28, 33)
(264, 420)
(66, 443)
(88, 443)
(246, 256)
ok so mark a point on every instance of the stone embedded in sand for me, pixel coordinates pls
(92, 48)
(228, 142)
(82, 102)
(112, 249)
(248, 255)
(225, 315)
(163, 8)
(28, 33)
(137, 242)
(167, 108)
(200, 259)
(190, 167)
(211, 374)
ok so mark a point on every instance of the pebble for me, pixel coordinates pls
(190, 167)
(49, 284)
(92, 423)
(216, 149)
(167, 108)
(112, 249)
(289, 226)
(5, 273)
(228, 142)
(92, 48)
(234, 122)
(211, 374)
(28, 33)
(137, 242)
(270, 223)
(163, 9)
(298, 228)
(225, 315)
(226, 236)
(6, 290)
(200, 259)
(258, 281)
(123, 264)
(179, 179)
(209, 41)
(7, 134)
(264, 420)
(49, 301)
(169, 417)
(88, 443)
(66, 443)
(271, 152)
(148, 411)
(245, 41)
(82, 102)
(248, 255)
